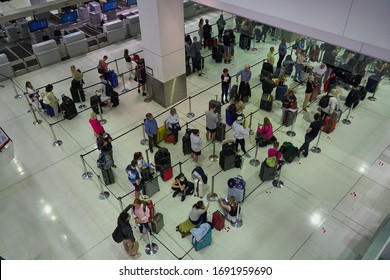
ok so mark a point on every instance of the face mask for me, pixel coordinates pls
(182, 180)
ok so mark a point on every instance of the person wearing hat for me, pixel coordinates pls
(239, 132)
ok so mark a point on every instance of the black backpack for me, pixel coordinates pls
(100, 69)
(117, 235)
(324, 101)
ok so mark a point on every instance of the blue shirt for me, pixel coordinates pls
(245, 75)
(282, 49)
(151, 127)
(132, 174)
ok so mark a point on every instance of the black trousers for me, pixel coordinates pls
(242, 144)
(152, 141)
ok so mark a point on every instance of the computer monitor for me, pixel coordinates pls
(37, 25)
(110, 6)
(69, 17)
(131, 2)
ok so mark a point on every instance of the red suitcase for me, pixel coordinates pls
(213, 43)
(166, 173)
(329, 124)
(218, 220)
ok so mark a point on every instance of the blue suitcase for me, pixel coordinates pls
(204, 242)
(280, 92)
(113, 79)
(231, 116)
(372, 83)
(236, 188)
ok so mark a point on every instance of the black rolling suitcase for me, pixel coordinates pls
(227, 157)
(221, 132)
(217, 104)
(114, 99)
(266, 102)
(95, 100)
(218, 57)
(288, 117)
(108, 176)
(187, 142)
(372, 83)
(162, 158)
(267, 173)
(281, 91)
(233, 91)
(68, 108)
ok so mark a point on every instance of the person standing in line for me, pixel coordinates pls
(129, 243)
(76, 74)
(271, 56)
(227, 49)
(299, 64)
(104, 144)
(200, 31)
(194, 52)
(332, 104)
(239, 132)
(129, 63)
(240, 106)
(151, 129)
(310, 86)
(141, 213)
(104, 66)
(196, 145)
(33, 94)
(212, 121)
(245, 76)
(221, 26)
(311, 134)
(225, 85)
(134, 178)
(264, 31)
(95, 123)
(105, 91)
(282, 50)
(207, 34)
(50, 99)
(141, 76)
(173, 124)
(318, 72)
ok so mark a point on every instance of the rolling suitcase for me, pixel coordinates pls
(221, 132)
(329, 124)
(236, 188)
(113, 79)
(218, 220)
(95, 101)
(68, 108)
(281, 91)
(108, 176)
(200, 188)
(115, 99)
(185, 228)
(290, 154)
(227, 160)
(218, 106)
(170, 138)
(218, 57)
(289, 117)
(162, 157)
(150, 187)
(161, 133)
(186, 141)
(372, 83)
(267, 173)
(166, 172)
(204, 242)
(266, 102)
(231, 114)
(233, 91)
(157, 223)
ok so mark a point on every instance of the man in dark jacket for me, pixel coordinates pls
(131, 246)
(207, 34)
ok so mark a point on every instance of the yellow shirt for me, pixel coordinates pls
(271, 58)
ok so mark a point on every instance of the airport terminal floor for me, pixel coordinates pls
(329, 208)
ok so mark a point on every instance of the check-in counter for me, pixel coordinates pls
(115, 31)
(5, 68)
(75, 43)
(133, 26)
(47, 52)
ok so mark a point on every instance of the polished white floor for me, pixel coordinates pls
(330, 207)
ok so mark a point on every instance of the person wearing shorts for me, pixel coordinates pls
(134, 178)
(196, 145)
(212, 120)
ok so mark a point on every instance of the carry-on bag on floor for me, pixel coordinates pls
(204, 242)
(227, 160)
(108, 176)
(289, 117)
(236, 188)
(329, 124)
(200, 188)
(231, 114)
(169, 138)
(95, 101)
(150, 187)
(281, 91)
(266, 102)
(186, 142)
(185, 227)
(221, 132)
(290, 154)
(157, 223)
(161, 133)
(113, 79)
(68, 108)
(233, 91)
(166, 172)
(267, 173)
(218, 57)
(218, 220)
(372, 83)
(218, 106)
(115, 99)
(162, 157)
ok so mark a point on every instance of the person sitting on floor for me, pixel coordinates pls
(181, 185)
(231, 208)
(198, 214)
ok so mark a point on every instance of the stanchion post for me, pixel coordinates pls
(103, 194)
(87, 175)
(213, 157)
(346, 120)
(180, 163)
(251, 131)
(238, 221)
(277, 183)
(317, 149)
(102, 121)
(81, 106)
(17, 95)
(124, 84)
(212, 196)
(190, 114)
(147, 156)
(291, 132)
(56, 142)
(116, 65)
(255, 162)
(371, 98)
(151, 248)
(201, 67)
(144, 141)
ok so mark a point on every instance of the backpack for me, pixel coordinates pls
(100, 69)
(109, 89)
(117, 235)
(324, 101)
(271, 161)
(104, 162)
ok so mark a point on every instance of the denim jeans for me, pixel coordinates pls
(298, 71)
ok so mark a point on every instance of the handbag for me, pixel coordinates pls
(176, 127)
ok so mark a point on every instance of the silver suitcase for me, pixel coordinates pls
(151, 187)
(200, 188)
